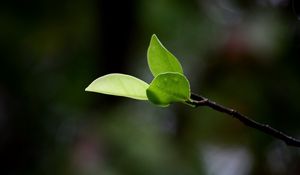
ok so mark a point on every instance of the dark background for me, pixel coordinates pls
(243, 54)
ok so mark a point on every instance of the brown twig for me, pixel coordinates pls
(197, 100)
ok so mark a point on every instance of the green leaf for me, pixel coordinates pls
(120, 85)
(168, 88)
(160, 60)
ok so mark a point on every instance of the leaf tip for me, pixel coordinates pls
(154, 35)
(154, 38)
(88, 88)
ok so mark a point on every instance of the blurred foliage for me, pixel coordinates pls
(243, 54)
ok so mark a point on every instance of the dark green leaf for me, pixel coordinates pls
(168, 88)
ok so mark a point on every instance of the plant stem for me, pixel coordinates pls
(198, 100)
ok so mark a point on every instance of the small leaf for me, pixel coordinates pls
(160, 60)
(168, 88)
(120, 85)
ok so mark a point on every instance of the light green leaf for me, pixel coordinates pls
(168, 88)
(120, 85)
(160, 60)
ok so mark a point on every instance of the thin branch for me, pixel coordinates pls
(197, 100)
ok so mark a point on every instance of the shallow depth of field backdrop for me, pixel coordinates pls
(243, 54)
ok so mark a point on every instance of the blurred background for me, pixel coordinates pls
(241, 53)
